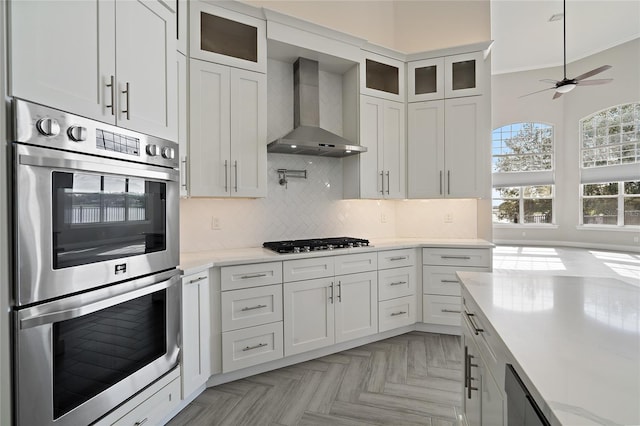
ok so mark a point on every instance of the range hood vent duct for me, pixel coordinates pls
(307, 137)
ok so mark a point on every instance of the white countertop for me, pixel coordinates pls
(195, 262)
(576, 339)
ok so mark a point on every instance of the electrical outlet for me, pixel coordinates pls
(448, 218)
(215, 223)
(383, 218)
(635, 239)
(524, 234)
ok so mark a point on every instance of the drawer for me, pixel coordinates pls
(396, 313)
(444, 310)
(308, 269)
(397, 282)
(443, 280)
(355, 263)
(253, 275)
(456, 257)
(155, 408)
(251, 346)
(252, 306)
(396, 258)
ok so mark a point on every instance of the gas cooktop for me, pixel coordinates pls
(303, 246)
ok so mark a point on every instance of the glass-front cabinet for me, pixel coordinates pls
(227, 37)
(382, 77)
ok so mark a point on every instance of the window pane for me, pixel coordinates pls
(600, 211)
(507, 192)
(632, 211)
(505, 211)
(610, 188)
(522, 147)
(537, 191)
(537, 211)
(632, 187)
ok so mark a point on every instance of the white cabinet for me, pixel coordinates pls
(382, 76)
(196, 332)
(396, 313)
(356, 307)
(396, 288)
(183, 121)
(106, 60)
(227, 37)
(447, 148)
(381, 171)
(446, 77)
(228, 152)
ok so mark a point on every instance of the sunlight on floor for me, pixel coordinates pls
(528, 263)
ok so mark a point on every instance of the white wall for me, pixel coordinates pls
(564, 113)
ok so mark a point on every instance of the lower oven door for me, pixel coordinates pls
(79, 357)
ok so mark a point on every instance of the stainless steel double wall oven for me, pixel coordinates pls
(96, 296)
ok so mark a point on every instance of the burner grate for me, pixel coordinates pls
(317, 244)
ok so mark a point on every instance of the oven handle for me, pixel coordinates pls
(39, 161)
(50, 318)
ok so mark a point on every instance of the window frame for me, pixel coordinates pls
(521, 199)
(620, 197)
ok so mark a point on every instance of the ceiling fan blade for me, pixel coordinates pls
(595, 82)
(548, 80)
(592, 72)
(538, 91)
(557, 95)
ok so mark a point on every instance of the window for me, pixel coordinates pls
(611, 203)
(523, 164)
(523, 204)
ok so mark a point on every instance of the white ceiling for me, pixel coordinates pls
(525, 39)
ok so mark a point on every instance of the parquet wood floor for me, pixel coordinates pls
(412, 379)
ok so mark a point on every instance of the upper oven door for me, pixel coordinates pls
(84, 221)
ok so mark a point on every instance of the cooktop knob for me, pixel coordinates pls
(306, 248)
(77, 133)
(48, 126)
(152, 150)
(168, 153)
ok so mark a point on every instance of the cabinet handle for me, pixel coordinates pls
(126, 92)
(340, 291)
(393, 259)
(388, 182)
(197, 279)
(440, 182)
(476, 330)
(226, 177)
(250, 348)
(112, 86)
(393, 314)
(235, 168)
(448, 181)
(382, 181)
(141, 422)
(450, 281)
(253, 308)
(331, 293)
(246, 277)
(184, 170)
(469, 378)
(456, 257)
(398, 283)
(466, 366)
(450, 311)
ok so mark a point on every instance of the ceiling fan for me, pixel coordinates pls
(568, 84)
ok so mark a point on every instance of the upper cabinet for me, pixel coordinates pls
(382, 77)
(227, 37)
(446, 77)
(106, 60)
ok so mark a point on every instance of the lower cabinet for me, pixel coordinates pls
(396, 313)
(251, 346)
(324, 311)
(196, 332)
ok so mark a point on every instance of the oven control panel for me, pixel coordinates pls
(51, 128)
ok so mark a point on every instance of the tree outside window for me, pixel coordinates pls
(611, 203)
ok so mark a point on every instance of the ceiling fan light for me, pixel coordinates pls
(566, 88)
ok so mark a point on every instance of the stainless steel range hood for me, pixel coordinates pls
(307, 138)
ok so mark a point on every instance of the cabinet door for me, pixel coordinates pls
(425, 151)
(63, 55)
(426, 80)
(308, 315)
(467, 140)
(492, 400)
(356, 305)
(248, 134)
(464, 75)
(209, 144)
(145, 68)
(394, 150)
(371, 134)
(183, 122)
(382, 76)
(196, 332)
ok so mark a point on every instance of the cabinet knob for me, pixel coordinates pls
(152, 150)
(168, 153)
(48, 126)
(77, 133)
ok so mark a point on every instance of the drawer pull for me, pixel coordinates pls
(450, 281)
(393, 314)
(398, 283)
(197, 279)
(141, 422)
(246, 277)
(393, 259)
(258, 346)
(450, 311)
(252, 308)
(456, 257)
(476, 330)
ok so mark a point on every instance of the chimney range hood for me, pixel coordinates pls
(307, 138)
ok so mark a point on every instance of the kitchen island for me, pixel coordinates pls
(573, 341)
